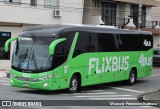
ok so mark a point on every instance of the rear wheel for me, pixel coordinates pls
(132, 78)
(74, 84)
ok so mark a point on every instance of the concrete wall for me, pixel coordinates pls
(156, 41)
(71, 11)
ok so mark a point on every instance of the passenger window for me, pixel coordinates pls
(62, 49)
(87, 42)
(108, 42)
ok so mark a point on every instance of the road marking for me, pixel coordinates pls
(4, 81)
(99, 93)
(146, 106)
(5, 84)
(129, 90)
(112, 98)
(105, 96)
(156, 75)
(94, 91)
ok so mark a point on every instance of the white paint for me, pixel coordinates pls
(66, 69)
(94, 91)
(6, 84)
(5, 81)
(146, 106)
(145, 61)
(105, 96)
(100, 93)
(156, 75)
(108, 64)
(129, 90)
(112, 98)
(147, 43)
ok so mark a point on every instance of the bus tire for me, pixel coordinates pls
(74, 84)
(132, 78)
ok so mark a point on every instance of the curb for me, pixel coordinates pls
(143, 97)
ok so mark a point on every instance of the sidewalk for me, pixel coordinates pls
(153, 97)
(3, 73)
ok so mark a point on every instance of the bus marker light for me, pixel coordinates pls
(45, 85)
(11, 81)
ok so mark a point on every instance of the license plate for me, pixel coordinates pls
(26, 85)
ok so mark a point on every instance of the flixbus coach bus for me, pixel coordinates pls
(52, 57)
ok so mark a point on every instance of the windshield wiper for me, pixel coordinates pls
(22, 58)
(33, 57)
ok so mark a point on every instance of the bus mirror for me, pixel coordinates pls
(8, 42)
(53, 45)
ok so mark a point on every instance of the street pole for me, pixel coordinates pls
(139, 14)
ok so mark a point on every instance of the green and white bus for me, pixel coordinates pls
(53, 57)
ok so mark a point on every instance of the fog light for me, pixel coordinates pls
(45, 85)
(11, 81)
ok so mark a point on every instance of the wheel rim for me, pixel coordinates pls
(132, 77)
(74, 85)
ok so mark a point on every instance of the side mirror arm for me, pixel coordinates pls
(8, 42)
(53, 45)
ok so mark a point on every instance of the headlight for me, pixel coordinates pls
(46, 77)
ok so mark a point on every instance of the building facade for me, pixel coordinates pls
(124, 14)
(155, 12)
(17, 15)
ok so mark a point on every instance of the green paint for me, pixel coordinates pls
(92, 67)
(8, 42)
(53, 45)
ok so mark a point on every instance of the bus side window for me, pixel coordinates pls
(59, 56)
(62, 49)
(87, 42)
(108, 42)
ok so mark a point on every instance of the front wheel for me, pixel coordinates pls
(74, 83)
(132, 78)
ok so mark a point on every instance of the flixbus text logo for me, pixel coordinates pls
(108, 64)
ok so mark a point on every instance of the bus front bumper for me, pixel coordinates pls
(43, 85)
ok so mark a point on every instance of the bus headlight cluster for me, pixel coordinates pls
(13, 75)
(46, 77)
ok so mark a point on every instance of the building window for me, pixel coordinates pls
(4, 36)
(109, 13)
(134, 14)
(50, 3)
(13, 1)
(96, 3)
(33, 2)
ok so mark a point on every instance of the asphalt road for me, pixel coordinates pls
(110, 91)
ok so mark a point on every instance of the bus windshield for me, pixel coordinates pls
(31, 54)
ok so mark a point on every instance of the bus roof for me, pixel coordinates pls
(90, 28)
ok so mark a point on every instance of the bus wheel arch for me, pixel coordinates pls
(76, 77)
(132, 78)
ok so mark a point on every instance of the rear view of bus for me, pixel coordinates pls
(68, 57)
